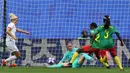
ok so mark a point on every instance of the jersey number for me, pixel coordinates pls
(97, 38)
(106, 35)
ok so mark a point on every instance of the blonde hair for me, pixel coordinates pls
(12, 16)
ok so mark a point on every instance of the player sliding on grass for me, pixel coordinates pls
(92, 48)
(68, 55)
(11, 38)
(106, 40)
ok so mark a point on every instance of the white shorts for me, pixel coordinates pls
(11, 46)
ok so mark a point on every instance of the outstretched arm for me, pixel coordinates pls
(22, 31)
(64, 58)
(118, 35)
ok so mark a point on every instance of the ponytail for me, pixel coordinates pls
(106, 22)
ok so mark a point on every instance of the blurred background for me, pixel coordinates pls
(52, 22)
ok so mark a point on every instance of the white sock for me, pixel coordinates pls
(10, 62)
(10, 58)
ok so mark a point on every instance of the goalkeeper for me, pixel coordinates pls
(68, 55)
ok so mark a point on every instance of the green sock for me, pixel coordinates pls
(86, 56)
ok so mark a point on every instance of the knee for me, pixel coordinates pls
(17, 54)
(114, 55)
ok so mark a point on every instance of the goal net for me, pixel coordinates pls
(52, 22)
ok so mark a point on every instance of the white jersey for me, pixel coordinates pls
(13, 31)
(10, 42)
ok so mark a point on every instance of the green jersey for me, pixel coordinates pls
(68, 55)
(96, 42)
(106, 39)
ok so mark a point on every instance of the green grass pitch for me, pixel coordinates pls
(61, 70)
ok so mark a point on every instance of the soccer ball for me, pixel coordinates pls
(51, 61)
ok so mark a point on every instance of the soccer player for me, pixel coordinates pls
(106, 40)
(67, 56)
(11, 38)
(92, 48)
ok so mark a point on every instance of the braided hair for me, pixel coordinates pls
(106, 21)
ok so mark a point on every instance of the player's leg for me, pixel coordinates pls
(81, 59)
(15, 52)
(78, 62)
(9, 63)
(15, 55)
(76, 54)
(106, 57)
(100, 54)
(60, 65)
(103, 55)
(116, 58)
(87, 57)
(12, 63)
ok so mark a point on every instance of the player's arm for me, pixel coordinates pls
(22, 31)
(119, 37)
(9, 33)
(64, 58)
(94, 36)
(60, 64)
